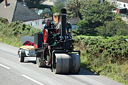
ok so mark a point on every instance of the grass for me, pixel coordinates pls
(84, 36)
(100, 65)
(10, 41)
(103, 38)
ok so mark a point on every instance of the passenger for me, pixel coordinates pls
(68, 27)
(48, 25)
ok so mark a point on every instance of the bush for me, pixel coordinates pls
(105, 56)
(3, 20)
(82, 27)
(58, 5)
(13, 31)
(113, 28)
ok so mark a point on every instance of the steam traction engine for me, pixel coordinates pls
(55, 49)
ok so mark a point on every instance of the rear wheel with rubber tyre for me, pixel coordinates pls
(39, 61)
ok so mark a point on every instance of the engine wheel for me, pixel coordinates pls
(66, 63)
(47, 56)
(39, 61)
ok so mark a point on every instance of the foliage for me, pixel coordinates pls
(99, 10)
(58, 5)
(46, 13)
(111, 28)
(105, 56)
(94, 14)
(96, 18)
(3, 20)
(85, 26)
(10, 32)
(73, 8)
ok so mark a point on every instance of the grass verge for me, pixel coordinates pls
(104, 56)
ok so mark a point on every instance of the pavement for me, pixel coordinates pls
(12, 72)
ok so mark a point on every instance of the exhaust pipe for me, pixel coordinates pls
(63, 22)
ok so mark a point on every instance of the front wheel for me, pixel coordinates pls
(66, 63)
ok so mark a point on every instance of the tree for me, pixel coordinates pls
(99, 10)
(94, 14)
(112, 28)
(73, 8)
(58, 5)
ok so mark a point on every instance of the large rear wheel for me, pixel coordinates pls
(39, 61)
(47, 56)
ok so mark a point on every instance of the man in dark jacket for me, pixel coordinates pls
(48, 25)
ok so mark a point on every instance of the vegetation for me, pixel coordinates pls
(105, 56)
(11, 33)
(73, 8)
(46, 13)
(93, 18)
(97, 22)
(58, 5)
(111, 28)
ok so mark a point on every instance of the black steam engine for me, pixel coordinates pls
(55, 49)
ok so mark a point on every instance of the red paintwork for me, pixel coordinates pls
(28, 43)
(45, 36)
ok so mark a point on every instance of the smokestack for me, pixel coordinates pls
(63, 22)
(5, 2)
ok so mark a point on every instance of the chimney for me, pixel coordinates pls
(63, 22)
(6, 3)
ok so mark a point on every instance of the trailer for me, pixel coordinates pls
(52, 49)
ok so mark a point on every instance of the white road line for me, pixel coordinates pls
(4, 66)
(32, 80)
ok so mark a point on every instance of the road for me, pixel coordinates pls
(12, 72)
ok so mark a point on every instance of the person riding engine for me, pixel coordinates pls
(68, 27)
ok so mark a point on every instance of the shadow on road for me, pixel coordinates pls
(34, 62)
(85, 72)
(82, 70)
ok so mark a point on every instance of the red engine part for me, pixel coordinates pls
(57, 30)
(45, 35)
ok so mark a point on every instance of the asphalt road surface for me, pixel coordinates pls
(12, 72)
